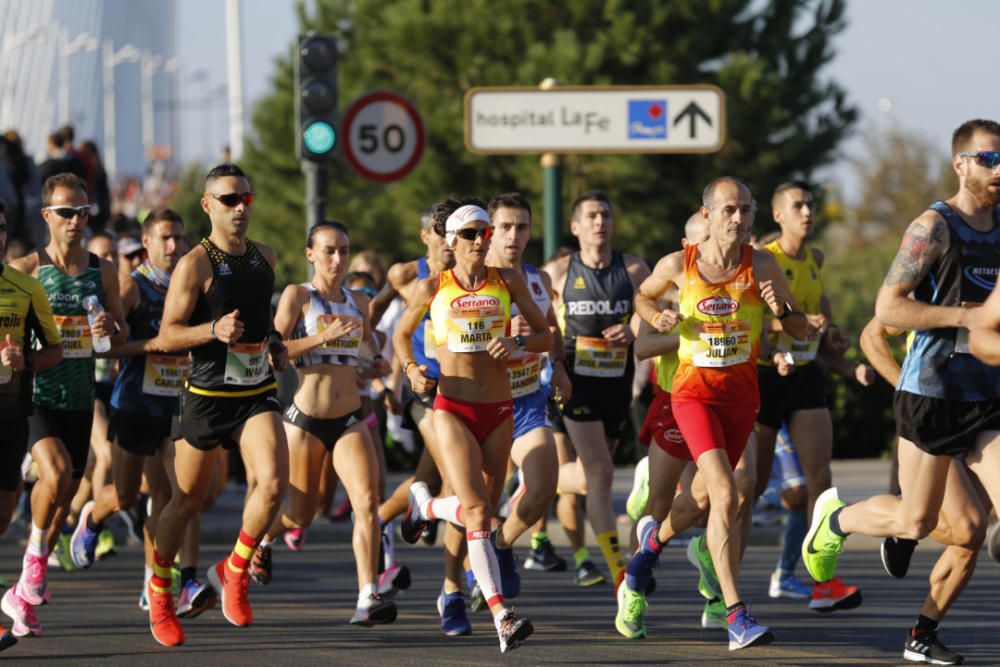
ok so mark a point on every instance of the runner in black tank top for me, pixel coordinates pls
(218, 306)
(594, 289)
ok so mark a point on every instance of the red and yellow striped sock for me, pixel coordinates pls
(162, 580)
(239, 559)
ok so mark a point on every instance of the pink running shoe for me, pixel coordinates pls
(295, 539)
(21, 612)
(32, 582)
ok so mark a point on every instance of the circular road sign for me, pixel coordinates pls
(384, 136)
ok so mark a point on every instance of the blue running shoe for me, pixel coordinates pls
(451, 609)
(510, 580)
(83, 543)
(639, 572)
(744, 631)
(787, 585)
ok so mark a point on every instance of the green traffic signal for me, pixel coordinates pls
(319, 137)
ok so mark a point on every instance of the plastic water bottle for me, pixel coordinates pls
(95, 309)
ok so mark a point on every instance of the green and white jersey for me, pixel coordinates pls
(70, 384)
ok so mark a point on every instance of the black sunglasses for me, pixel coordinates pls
(472, 233)
(988, 159)
(69, 211)
(232, 199)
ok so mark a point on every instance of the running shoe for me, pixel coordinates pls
(636, 503)
(260, 565)
(993, 540)
(926, 647)
(376, 612)
(544, 559)
(105, 545)
(394, 580)
(821, 548)
(413, 524)
(510, 580)
(708, 580)
(342, 512)
(7, 639)
(745, 631)
(143, 597)
(477, 601)
(639, 571)
(714, 615)
(195, 599)
(295, 538)
(588, 574)
(787, 585)
(896, 555)
(833, 595)
(83, 543)
(431, 533)
(31, 585)
(630, 622)
(512, 631)
(21, 612)
(451, 609)
(64, 553)
(163, 621)
(232, 588)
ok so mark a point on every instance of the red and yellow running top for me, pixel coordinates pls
(720, 334)
(467, 320)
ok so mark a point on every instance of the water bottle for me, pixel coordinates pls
(94, 309)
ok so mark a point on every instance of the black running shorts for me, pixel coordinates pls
(606, 400)
(71, 426)
(942, 427)
(137, 434)
(780, 396)
(327, 431)
(208, 421)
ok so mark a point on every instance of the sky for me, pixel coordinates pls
(915, 64)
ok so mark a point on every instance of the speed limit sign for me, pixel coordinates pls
(384, 136)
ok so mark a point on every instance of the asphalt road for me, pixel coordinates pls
(301, 617)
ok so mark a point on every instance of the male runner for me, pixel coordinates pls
(219, 306)
(593, 290)
(947, 402)
(59, 427)
(724, 288)
(791, 381)
(25, 317)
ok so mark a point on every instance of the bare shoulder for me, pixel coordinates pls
(27, 264)
(402, 274)
(424, 291)
(196, 263)
(634, 262)
(670, 265)
(557, 268)
(361, 299)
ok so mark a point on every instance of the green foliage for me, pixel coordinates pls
(783, 119)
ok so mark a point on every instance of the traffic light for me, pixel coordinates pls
(316, 97)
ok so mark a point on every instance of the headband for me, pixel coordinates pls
(461, 217)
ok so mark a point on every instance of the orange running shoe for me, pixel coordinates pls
(163, 621)
(232, 589)
(833, 595)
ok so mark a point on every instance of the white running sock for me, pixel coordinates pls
(421, 498)
(37, 544)
(483, 560)
(447, 508)
(364, 596)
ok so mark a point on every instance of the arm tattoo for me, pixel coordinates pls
(919, 249)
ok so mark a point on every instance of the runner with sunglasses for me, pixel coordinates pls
(947, 402)
(25, 318)
(328, 333)
(63, 399)
(470, 313)
(594, 288)
(219, 307)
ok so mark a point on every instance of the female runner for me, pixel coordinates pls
(470, 315)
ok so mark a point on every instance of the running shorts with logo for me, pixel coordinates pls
(230, 384)
(660, 425)
(600, 371)
(529, 373)
(66, 391)
(945, 396)
(715, 396)
(26, 316)
(327, 431)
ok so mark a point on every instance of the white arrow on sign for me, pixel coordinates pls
(384, 136)
(595, 119)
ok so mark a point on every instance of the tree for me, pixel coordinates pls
(783, 118)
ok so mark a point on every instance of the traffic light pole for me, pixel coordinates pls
(316, 180)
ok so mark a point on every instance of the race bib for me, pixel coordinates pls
(75, 333)
(599, 358)
(430, 345)
(473, 334)
(246, 363)
(350, 344)
(802, 350)
(524, 373)
(164, 374)
(722, 344)
(962, 334)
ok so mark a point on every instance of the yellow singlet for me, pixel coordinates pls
(466, 320)
(806, 283)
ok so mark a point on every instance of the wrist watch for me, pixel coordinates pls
(520, 341)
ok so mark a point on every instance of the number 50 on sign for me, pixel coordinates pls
(384, 136)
